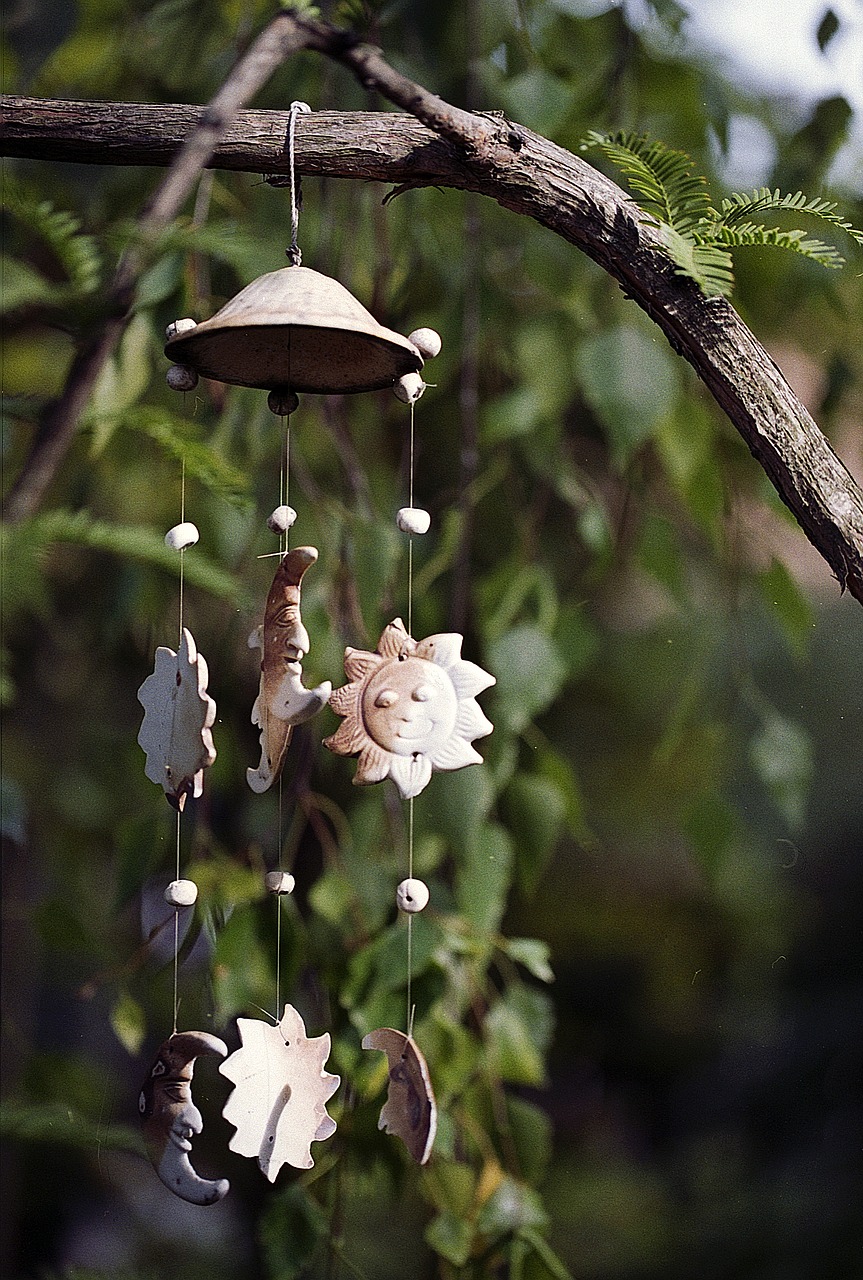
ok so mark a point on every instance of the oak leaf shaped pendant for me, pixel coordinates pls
(278, 1105)
(410, 1111)
(170, 1118)
(409, 709)
(282, 700)
(178, 715)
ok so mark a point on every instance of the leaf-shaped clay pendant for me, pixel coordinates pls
(410, 1111)
(279, 1104)
(282, 700)
(409, 709)
(170, 1118)
(178, 714)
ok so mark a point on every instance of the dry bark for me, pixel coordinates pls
(437, 144)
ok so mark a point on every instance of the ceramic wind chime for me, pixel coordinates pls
(408, 708)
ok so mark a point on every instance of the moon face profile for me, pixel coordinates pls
(170, 1118)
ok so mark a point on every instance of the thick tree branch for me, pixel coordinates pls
(530, 176)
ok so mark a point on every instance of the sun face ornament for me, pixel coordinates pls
(409, 709)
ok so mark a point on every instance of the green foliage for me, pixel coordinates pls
(697, 236)
(599, 981)
(76, 255)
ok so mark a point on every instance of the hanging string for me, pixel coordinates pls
(410, 1011)
(284, 500)
(294, 255)
(176, 1000)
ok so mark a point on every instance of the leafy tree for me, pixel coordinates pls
(635, 986)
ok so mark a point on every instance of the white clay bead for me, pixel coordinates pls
(181, 893)
(282, 402)
(182, 536)
(279, 882)
(413, 520)
(176, 327)
(280, 520)
(409, 388)
(412, 895)
(427, 342)
(181, 378)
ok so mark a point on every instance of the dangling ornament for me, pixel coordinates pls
(279, 1102)
(410, 1111)
(178, 715)
(283, 701)
(409, 709)
(170, 1118)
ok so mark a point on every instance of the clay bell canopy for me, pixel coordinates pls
(297, 329)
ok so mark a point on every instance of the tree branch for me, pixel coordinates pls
(531, 176)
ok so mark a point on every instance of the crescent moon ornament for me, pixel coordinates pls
(282, 700)
(170, 1119)
(410, 1111)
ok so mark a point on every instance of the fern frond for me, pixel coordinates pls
(661, 175)
(179, 440)
(130, 542)
(757, 234)
(739, 206)
(709, 265)
(76, 252)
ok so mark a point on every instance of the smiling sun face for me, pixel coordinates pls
(409, 709)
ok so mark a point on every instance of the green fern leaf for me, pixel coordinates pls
(756, 234)
(662, 176)
(136, 542)
(180, 440)
(709, 265)
(78, 254)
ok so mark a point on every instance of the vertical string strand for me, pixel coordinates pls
(284, 542)
(410, 1011)
(176, 999)
(410, 535)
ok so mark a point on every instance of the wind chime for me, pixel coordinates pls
(408, 708)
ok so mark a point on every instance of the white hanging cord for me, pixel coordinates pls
(294, 254)
(176, 1000)
(410, 1014)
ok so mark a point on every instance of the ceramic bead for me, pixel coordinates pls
(182, 536)
(427, 342)
(413, 520)
(181, 378)
(412, 895)
(181, 893)
(281, 519)
(177, 327)
(409, 388)
(282, 402)
(279, 882)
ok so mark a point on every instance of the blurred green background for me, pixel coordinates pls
(638, 984)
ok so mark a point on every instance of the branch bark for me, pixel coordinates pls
(442, 146)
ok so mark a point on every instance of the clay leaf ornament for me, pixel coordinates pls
(178, 714)
(279, 1104)
(409, 709)
(170, 1119)
(282, 700)
(410, 1112)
